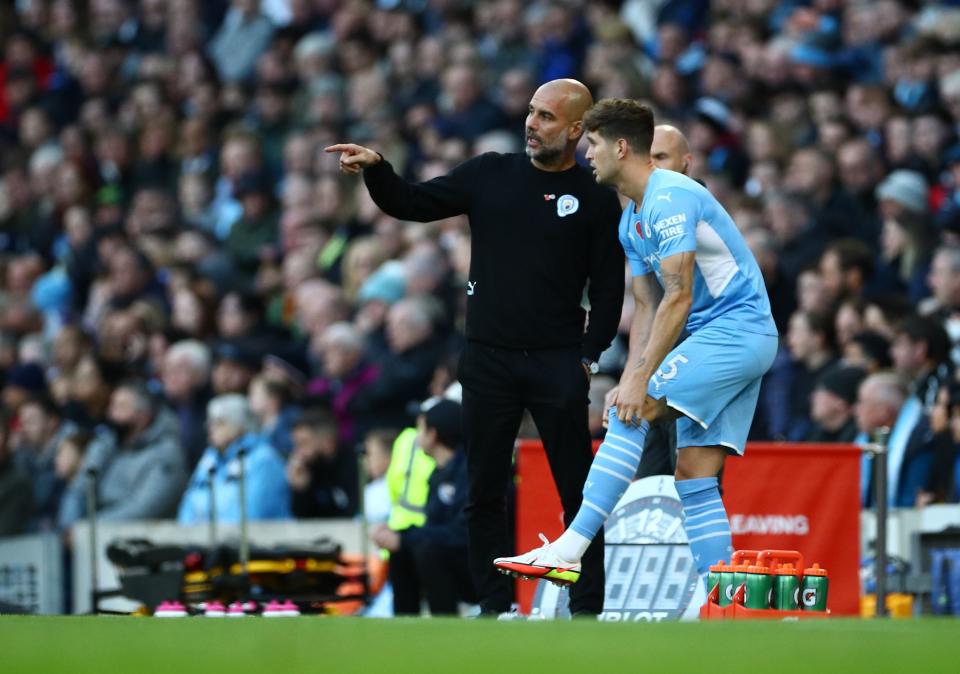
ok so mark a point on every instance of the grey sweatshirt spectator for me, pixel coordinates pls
(139, 463)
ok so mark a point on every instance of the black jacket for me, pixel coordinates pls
(333, 488)
(537, 238)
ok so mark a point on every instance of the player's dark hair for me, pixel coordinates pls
(615, 118)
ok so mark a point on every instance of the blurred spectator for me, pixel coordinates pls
(186, 386)
(798, 246)
(920, 352)
(810, 340)
(319, 304)
(346, 372)
(883, 403)
(811, 174)
(406, 369)
(712, 135)
(465, 112)
(868, 351)
(23, 382)
(944, 280)
(34, 448)
(130, 278)
(254, 234)
(69, 456)
(903, 191)
(904, 260)
(848, 321)
(271, 403)
(69, 347)
(832, 404)
(378, 446)
(386, 286)
(244, 34)
(16, 494)
(88, 392)
(241, 319)
(846, 267)
(234, 446)
(883, 314)
(234, 369)
(139, 466)
(431, 560)
(945, 426)
(322, 476)
(860, 169)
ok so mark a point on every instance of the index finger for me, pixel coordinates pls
(341, 147)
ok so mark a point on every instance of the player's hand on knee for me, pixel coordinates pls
(354, 158)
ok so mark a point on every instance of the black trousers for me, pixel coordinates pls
(498, 384)
(437, 572)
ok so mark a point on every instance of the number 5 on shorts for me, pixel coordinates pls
(668, 370)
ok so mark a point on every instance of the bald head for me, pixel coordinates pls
(670, 149)
(554, 123)
(572, 96)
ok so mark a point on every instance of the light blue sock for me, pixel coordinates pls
(705, 521)
(613, 469)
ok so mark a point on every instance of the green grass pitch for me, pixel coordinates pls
(323, 644)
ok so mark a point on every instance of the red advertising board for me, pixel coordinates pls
(801, 497)
(779, 496)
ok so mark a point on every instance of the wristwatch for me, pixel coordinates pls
(592, 366)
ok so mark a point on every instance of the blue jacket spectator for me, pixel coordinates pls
(882, 401)
(229, 423)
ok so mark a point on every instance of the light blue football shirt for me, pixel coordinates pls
(679, 215)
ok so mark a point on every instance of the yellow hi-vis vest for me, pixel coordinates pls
(408, 482)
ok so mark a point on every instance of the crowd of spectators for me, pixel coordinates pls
(184, 272)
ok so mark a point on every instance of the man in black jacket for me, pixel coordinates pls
(541, 229)
(432, 559)
(322, 476)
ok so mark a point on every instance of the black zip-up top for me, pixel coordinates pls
(537, 237)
